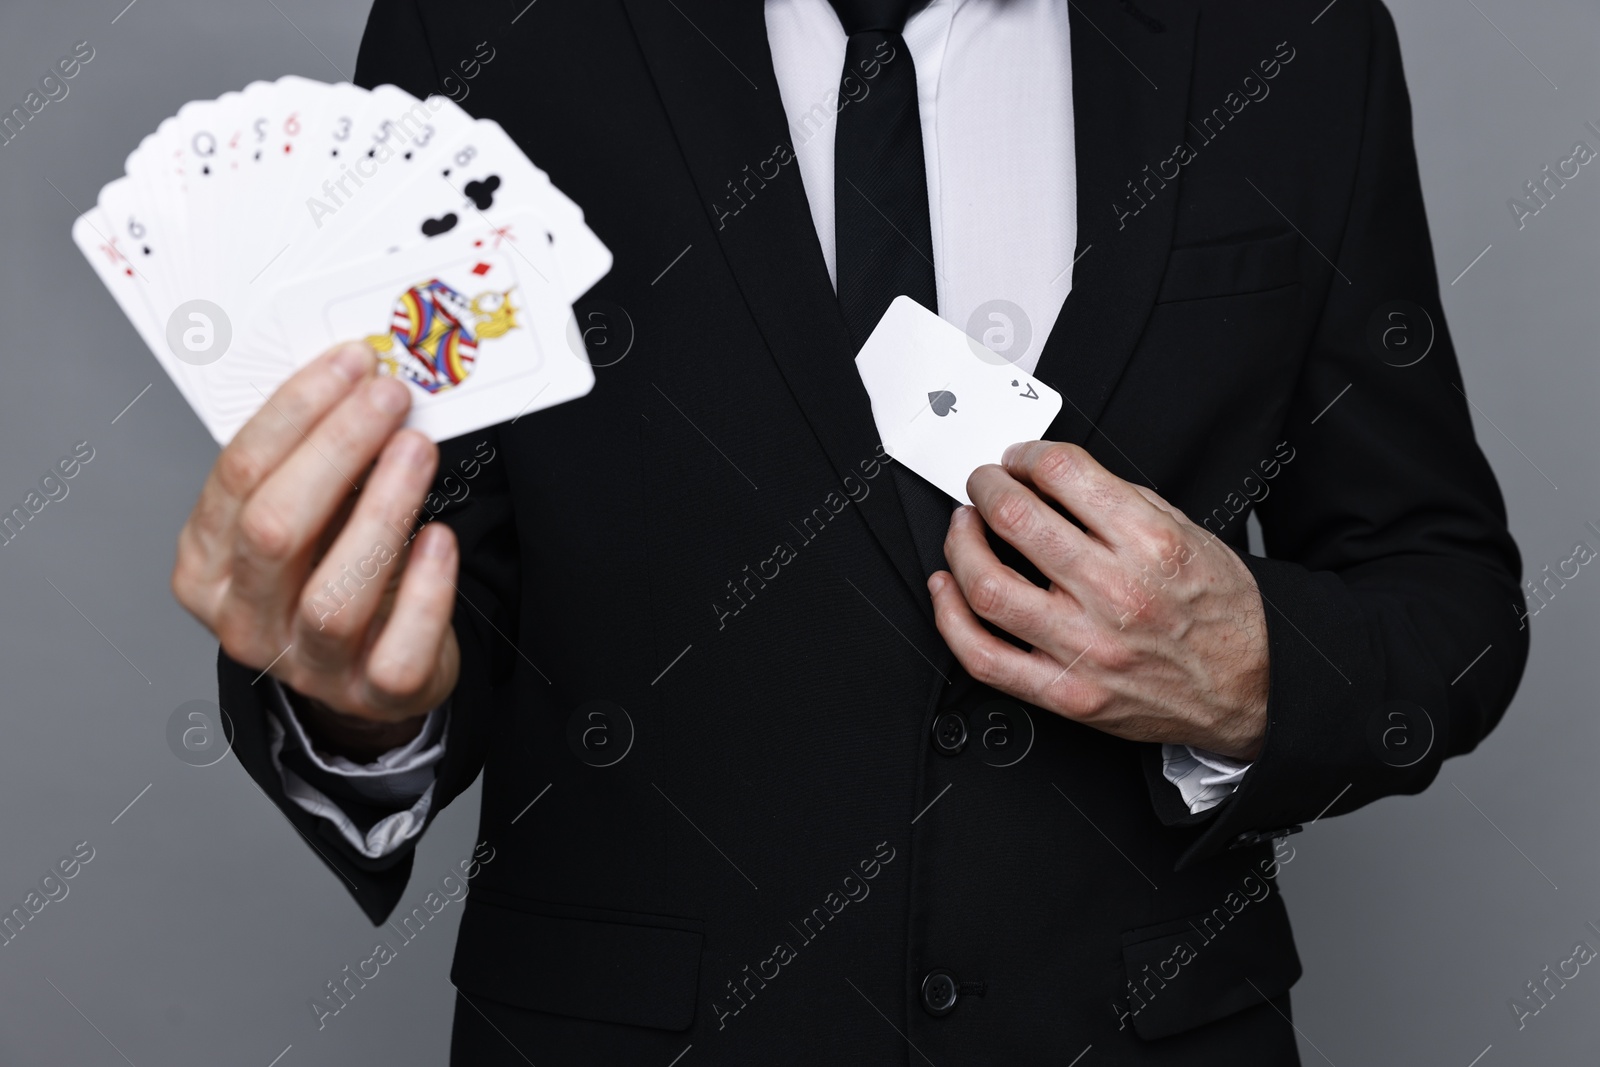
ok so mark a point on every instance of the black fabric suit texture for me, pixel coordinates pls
(711, 541)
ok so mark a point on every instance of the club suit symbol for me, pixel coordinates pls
(443, 224)
(942, 401)
(481, 193)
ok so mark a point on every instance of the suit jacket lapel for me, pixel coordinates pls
(1130, 91)
(713, 68)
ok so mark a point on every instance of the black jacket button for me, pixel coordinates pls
(939, 993)
(950, 733)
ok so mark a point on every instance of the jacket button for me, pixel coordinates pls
(939, 993)
(950, 733)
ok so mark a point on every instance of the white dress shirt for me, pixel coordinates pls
(400, 781)
(994, 89)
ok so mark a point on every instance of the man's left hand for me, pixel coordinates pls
(1151, 629)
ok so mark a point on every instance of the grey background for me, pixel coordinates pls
(203, 924)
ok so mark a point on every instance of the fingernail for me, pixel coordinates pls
(436, 546)
(388, 396)
(1011, 450)
(409, 448)
(352, 361)
(936, 583)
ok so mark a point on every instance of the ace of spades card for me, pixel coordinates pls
(940, 408)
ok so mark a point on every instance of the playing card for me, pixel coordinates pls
(470, 323)
(480, 176)
(133, 232)
(941, 408)
(394, 141)
(96, 237)
(278, 149)
(252, 231)
(355, 145)
(151, 169)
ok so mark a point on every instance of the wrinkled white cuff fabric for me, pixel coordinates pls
(1203, 778)
(402, 778)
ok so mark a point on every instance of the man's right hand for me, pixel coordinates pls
(301, 575)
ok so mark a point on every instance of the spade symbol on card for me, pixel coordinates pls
(482, 193)
(443, 224)
(942, 401)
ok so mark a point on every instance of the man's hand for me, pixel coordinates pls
(1150, 629)
(298, 573)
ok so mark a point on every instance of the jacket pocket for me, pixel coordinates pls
(1197, 272)
(1205, 966)
(570, 961)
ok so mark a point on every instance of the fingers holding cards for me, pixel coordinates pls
(267, 440)
(417, 644)
(284, 518)
(303, 554)
(1036, 675)
(203, 575)
(1118, 513)
(994, 590)
(369, 546)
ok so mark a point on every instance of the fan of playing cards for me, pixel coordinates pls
(252, 232)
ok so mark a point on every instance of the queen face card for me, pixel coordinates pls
(475, 324)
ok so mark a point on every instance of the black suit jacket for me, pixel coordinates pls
(712, 543)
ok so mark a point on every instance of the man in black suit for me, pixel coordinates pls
(899, 796)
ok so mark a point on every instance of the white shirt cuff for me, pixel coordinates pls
(402, 777)
(1203, 778)
(397, 776)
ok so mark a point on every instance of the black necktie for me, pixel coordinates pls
(884, 242)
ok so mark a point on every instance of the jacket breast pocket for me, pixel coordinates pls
(1198, 272)
(1206, 966)
(569, 961)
